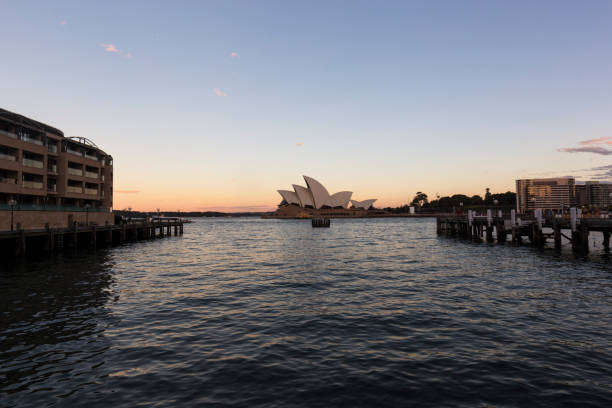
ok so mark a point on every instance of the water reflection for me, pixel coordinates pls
(53, 310)
(248, 312)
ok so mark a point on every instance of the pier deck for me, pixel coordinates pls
(574, 228)
(21, 242)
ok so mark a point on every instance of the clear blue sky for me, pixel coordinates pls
(381, 98)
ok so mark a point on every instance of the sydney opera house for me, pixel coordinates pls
(314, 199)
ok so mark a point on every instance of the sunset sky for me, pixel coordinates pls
(216, 105)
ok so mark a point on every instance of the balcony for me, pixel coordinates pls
(75, 172)
(52, 168)
(52, 148)
(72, 189)
(103, 177)
(29, 139)
(75, 152)
(9, 134)
(91, 174)
(52, 188)
(4, 156)
(90, 157)
(8, 180)
(91, 191)
(33, 163)
(38, 185)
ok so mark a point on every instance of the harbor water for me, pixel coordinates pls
(244, 312)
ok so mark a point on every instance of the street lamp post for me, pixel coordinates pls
(12, 203)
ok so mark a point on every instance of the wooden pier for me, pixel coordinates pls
(320, 222)
(23, 242)
(519, 228)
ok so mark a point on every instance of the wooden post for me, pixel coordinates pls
(606, 240)
(47, 239)
(181, 228)
(169, 230)
(539, 237)
(108, 235)
(175, 230)
(72, 236)
(501, 230)
(20, 247)
(60, 241)
(93, 237)
(489, 233)
(51, 239)
(584, 238)
(573, 219)
(557, 233)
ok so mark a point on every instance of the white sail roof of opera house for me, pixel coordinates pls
(315, 195)
(365, 204)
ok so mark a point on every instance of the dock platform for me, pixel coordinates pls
(22, 242)
(518, 227)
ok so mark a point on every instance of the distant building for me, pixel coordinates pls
(545, 193)
(598, 194)
(561, 193)
(41, 170)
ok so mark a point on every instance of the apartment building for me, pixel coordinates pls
(42, 169)
(598, 194)
(561, 193)
(546, 193)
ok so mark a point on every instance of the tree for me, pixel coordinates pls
(420, 199)
(487, 197)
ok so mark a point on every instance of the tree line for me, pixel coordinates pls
(422, 203)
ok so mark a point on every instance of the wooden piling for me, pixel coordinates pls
(557, 233)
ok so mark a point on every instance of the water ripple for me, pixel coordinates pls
(248, 312)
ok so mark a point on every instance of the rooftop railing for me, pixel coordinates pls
(33, 163)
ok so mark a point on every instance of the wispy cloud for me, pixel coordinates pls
(235, 55)
(63, 22)
(127, 191)
(112, 48)
(600, 140)
(219, 92)
(596, 146)
(299, 144)
(587, 149)
(602, 173)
